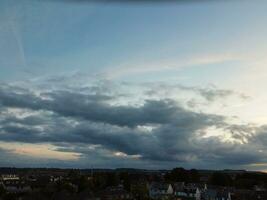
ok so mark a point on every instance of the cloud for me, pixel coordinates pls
(94, 107)
(10, 158)
(169, 64)
(210, 93)
(11, 43)
(154, 133)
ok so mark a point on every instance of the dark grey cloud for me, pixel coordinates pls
(158, 133)
(116, 132)
(212, 149)
(96, 108)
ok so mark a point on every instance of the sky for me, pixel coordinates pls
(142, 84)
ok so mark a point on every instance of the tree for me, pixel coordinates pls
(178, 175)
(2, 190)
(124, 177)
(140, 191)
(194, 176)
(112, 179)
(220, 179)
(84, 183)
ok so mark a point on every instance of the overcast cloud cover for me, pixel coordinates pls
(145, 85)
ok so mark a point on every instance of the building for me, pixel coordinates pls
(13, 184)
(182, 192)
(216, 194)
(160, 190)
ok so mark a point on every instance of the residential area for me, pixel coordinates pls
(132, 184)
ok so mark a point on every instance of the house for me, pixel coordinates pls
(160, 190)
(179, 189)
(259, 188)
(13, 184)
(9, 177)
(182, 193)
(209, 194)
(194, 193)
(200, 186)
(216, 194)
(223, 195)
(18, 189)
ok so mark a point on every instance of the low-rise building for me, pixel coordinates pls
(160, 190)
(182, 191)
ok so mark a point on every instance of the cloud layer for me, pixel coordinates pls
(104, 128)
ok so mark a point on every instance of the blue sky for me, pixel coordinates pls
(202, 59)
(91, 37)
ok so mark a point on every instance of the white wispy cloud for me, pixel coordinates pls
(141, 67)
